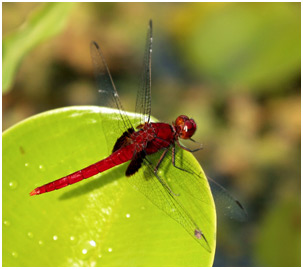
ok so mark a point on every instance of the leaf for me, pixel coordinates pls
(101, 221)
(44, 23)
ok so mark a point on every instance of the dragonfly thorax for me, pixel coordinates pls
(145, 133)
(185, 127)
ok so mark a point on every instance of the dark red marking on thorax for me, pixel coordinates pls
(163, 136)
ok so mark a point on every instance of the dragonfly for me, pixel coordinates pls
(150, 146)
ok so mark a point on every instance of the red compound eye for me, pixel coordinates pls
(186, 127)
(181, 119)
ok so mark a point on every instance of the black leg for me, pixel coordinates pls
(173, 157)
(155, 170)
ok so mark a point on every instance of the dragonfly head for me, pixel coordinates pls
(185, 127)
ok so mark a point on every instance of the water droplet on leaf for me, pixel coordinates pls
(6, 223)
(13, 185)
(15, 254)
(30, 234)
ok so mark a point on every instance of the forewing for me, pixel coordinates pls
(143, 102)
(226, 204)
(180, 206)
(119, 122)
(108, 93)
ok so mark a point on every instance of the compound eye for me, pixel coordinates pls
(181, 119)
(188, 129)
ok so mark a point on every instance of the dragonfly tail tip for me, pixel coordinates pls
(32, 193)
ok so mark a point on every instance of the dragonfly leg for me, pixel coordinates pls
(155, 170)
(173, 158)
(201, 145)
(160, 160)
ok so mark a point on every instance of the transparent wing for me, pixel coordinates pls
(186, 201)
(226, 203)
(175, 200)
(106, 87)
(143, 102)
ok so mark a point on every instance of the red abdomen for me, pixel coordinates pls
(118, 157)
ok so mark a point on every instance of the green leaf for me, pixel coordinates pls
(44, 23)
(101, 221)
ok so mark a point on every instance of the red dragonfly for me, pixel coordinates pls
(149, 139)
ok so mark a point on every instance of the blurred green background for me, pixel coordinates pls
(233, 67)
